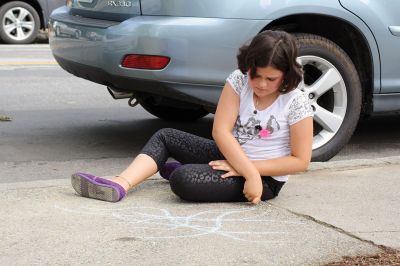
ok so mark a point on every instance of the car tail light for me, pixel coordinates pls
(152, 62)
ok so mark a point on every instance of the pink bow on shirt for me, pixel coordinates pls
(264, 133)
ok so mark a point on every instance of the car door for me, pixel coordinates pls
(383, 18)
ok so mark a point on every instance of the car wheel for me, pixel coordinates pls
(19, 23)
(334, 89)
(168, 112)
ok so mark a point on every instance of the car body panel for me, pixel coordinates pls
(158, 35)
(60, 29)
(200, 81)
(132, 6)
(379, 17)
(190, 50)
(111, 9)
(244, 9)
(386, 102)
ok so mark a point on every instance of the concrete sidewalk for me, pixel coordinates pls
(334, 210)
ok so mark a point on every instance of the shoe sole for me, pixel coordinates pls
(89, 188)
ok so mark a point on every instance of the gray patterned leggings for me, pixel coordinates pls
(195, 180)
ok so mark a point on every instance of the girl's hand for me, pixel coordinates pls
(223, 165)
(252, 190)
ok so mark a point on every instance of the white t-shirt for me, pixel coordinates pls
(265, 134)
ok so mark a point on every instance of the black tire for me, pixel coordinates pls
(319, 47)
(171, 113)
(33, 16)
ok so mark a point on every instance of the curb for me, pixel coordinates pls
(353, 164)
(110, 165)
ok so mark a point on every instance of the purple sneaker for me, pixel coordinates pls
(95, 187)
(168, 168)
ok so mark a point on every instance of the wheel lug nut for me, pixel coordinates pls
(311, 96)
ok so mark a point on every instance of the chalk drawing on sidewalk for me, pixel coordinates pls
(157, 223)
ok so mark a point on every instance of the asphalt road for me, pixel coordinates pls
(59, 117)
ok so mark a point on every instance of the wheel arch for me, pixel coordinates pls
(345, 35)
(36, 5)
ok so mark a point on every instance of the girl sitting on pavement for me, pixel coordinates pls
(262, 131)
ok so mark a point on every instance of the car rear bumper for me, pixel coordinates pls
(205, 95)
(202, 50)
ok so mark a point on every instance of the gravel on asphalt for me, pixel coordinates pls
(388, 256)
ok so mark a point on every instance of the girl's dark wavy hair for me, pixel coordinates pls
(276, 49)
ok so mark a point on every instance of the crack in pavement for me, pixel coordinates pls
(380, 231)
(337, 229)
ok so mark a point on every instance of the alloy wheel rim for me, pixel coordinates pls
(18, 23)
(326, 90)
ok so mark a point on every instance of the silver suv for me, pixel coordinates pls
(172, 57)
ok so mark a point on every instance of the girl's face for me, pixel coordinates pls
(266, 81)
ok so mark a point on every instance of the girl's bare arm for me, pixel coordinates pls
(224, 121)
(301, 138)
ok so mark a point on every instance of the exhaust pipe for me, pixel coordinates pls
(118, 94)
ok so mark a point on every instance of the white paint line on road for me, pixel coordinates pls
(24, 63)
(5, 46)
(12, 68)
(37, 49)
